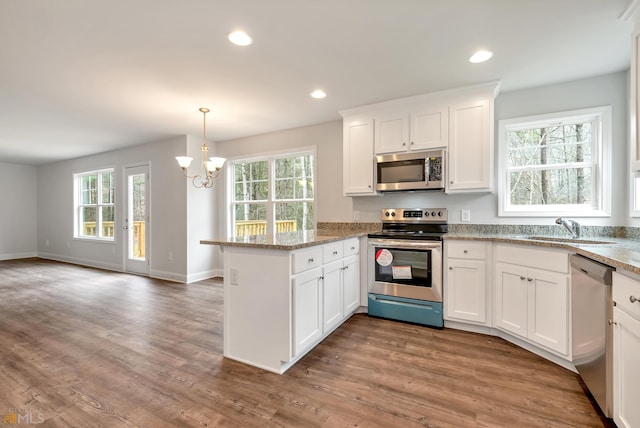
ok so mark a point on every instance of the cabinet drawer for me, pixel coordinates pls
(307, 259)
(542, 259)
(624, 289)
(332, 252)
(351, 246)
(467, 250)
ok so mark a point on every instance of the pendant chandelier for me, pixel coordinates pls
(209, 167)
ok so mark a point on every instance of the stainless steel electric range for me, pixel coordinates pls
(405, 266)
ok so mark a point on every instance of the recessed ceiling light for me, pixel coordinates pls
(318, 94)
(240, 38)
(480, 56)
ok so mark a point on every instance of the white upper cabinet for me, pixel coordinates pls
(358, 166)
(471, 145)
(632, 15)
(421, 127)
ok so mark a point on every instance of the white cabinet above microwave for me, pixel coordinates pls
(419, 128)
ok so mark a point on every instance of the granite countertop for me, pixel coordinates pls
(287, 240)
(621, 253)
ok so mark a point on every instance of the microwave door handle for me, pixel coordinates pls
(427, 170)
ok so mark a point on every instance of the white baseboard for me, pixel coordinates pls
(13, 256)
(81, 262)
(199, 276)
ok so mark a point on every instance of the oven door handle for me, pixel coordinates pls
(405, 244)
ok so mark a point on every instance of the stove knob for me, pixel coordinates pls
(393, 214)
(439, 213)
(386, 214)
(426, 213)
(433, 213)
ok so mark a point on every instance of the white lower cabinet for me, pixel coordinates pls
(530, 302)
(351, 284)
(465, 282)
(626, 352)
(307, 323)
(331, 295)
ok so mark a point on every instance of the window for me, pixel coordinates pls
(556, 164)
(272, 194)
(95, 208)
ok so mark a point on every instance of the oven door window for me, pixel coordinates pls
(403, 266)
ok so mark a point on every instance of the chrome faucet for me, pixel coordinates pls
(572, 226)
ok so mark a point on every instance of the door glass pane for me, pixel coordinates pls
(137, 217)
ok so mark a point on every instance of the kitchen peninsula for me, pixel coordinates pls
(284, 293)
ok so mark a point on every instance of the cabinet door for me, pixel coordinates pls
(358, 159)
(351, 284)
(429, 128)
(548, 315)
(465, 290)
(511, 299)
(626, 370)
(307, 322)
(331, 295)
(470, 146)
(392, 133)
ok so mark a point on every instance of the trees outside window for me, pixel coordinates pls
(273, 193)
(95, 205)
(556, 164)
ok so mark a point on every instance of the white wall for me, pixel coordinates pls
(169, 199)
(332, 206)
(18, 211)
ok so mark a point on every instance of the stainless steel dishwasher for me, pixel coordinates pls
(592, 330)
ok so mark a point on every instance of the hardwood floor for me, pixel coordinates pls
(83, 347)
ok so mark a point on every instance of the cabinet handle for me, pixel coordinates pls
(369, 186)
(335, 253)
(633, 299)
(321, 278)
(353, 248)
(310, 260)
(451, 182)
(529, 279)
(450, 268)
(522, 278)
(465, 251)
(412, 143)
(404, 144)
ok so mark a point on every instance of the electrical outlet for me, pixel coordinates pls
(356, 215)
(465, 215)
(233, 272)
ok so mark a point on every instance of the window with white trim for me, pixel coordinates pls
(272, 194)
(556, 164)
(95, 205)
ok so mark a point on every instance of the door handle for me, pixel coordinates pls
(633, 299)
(125, 227)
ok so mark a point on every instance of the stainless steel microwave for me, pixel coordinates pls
(411, 171)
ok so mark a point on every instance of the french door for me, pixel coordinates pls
(136, 220)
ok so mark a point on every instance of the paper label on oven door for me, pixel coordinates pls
(401, 272)
(384, 257)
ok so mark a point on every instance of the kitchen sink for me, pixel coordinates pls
(568, 240)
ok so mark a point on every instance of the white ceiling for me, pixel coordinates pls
(79, 77)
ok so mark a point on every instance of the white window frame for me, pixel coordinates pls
(270, 157)
(601, 160)
(78, 205)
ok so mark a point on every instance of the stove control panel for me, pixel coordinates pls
(414, 215)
